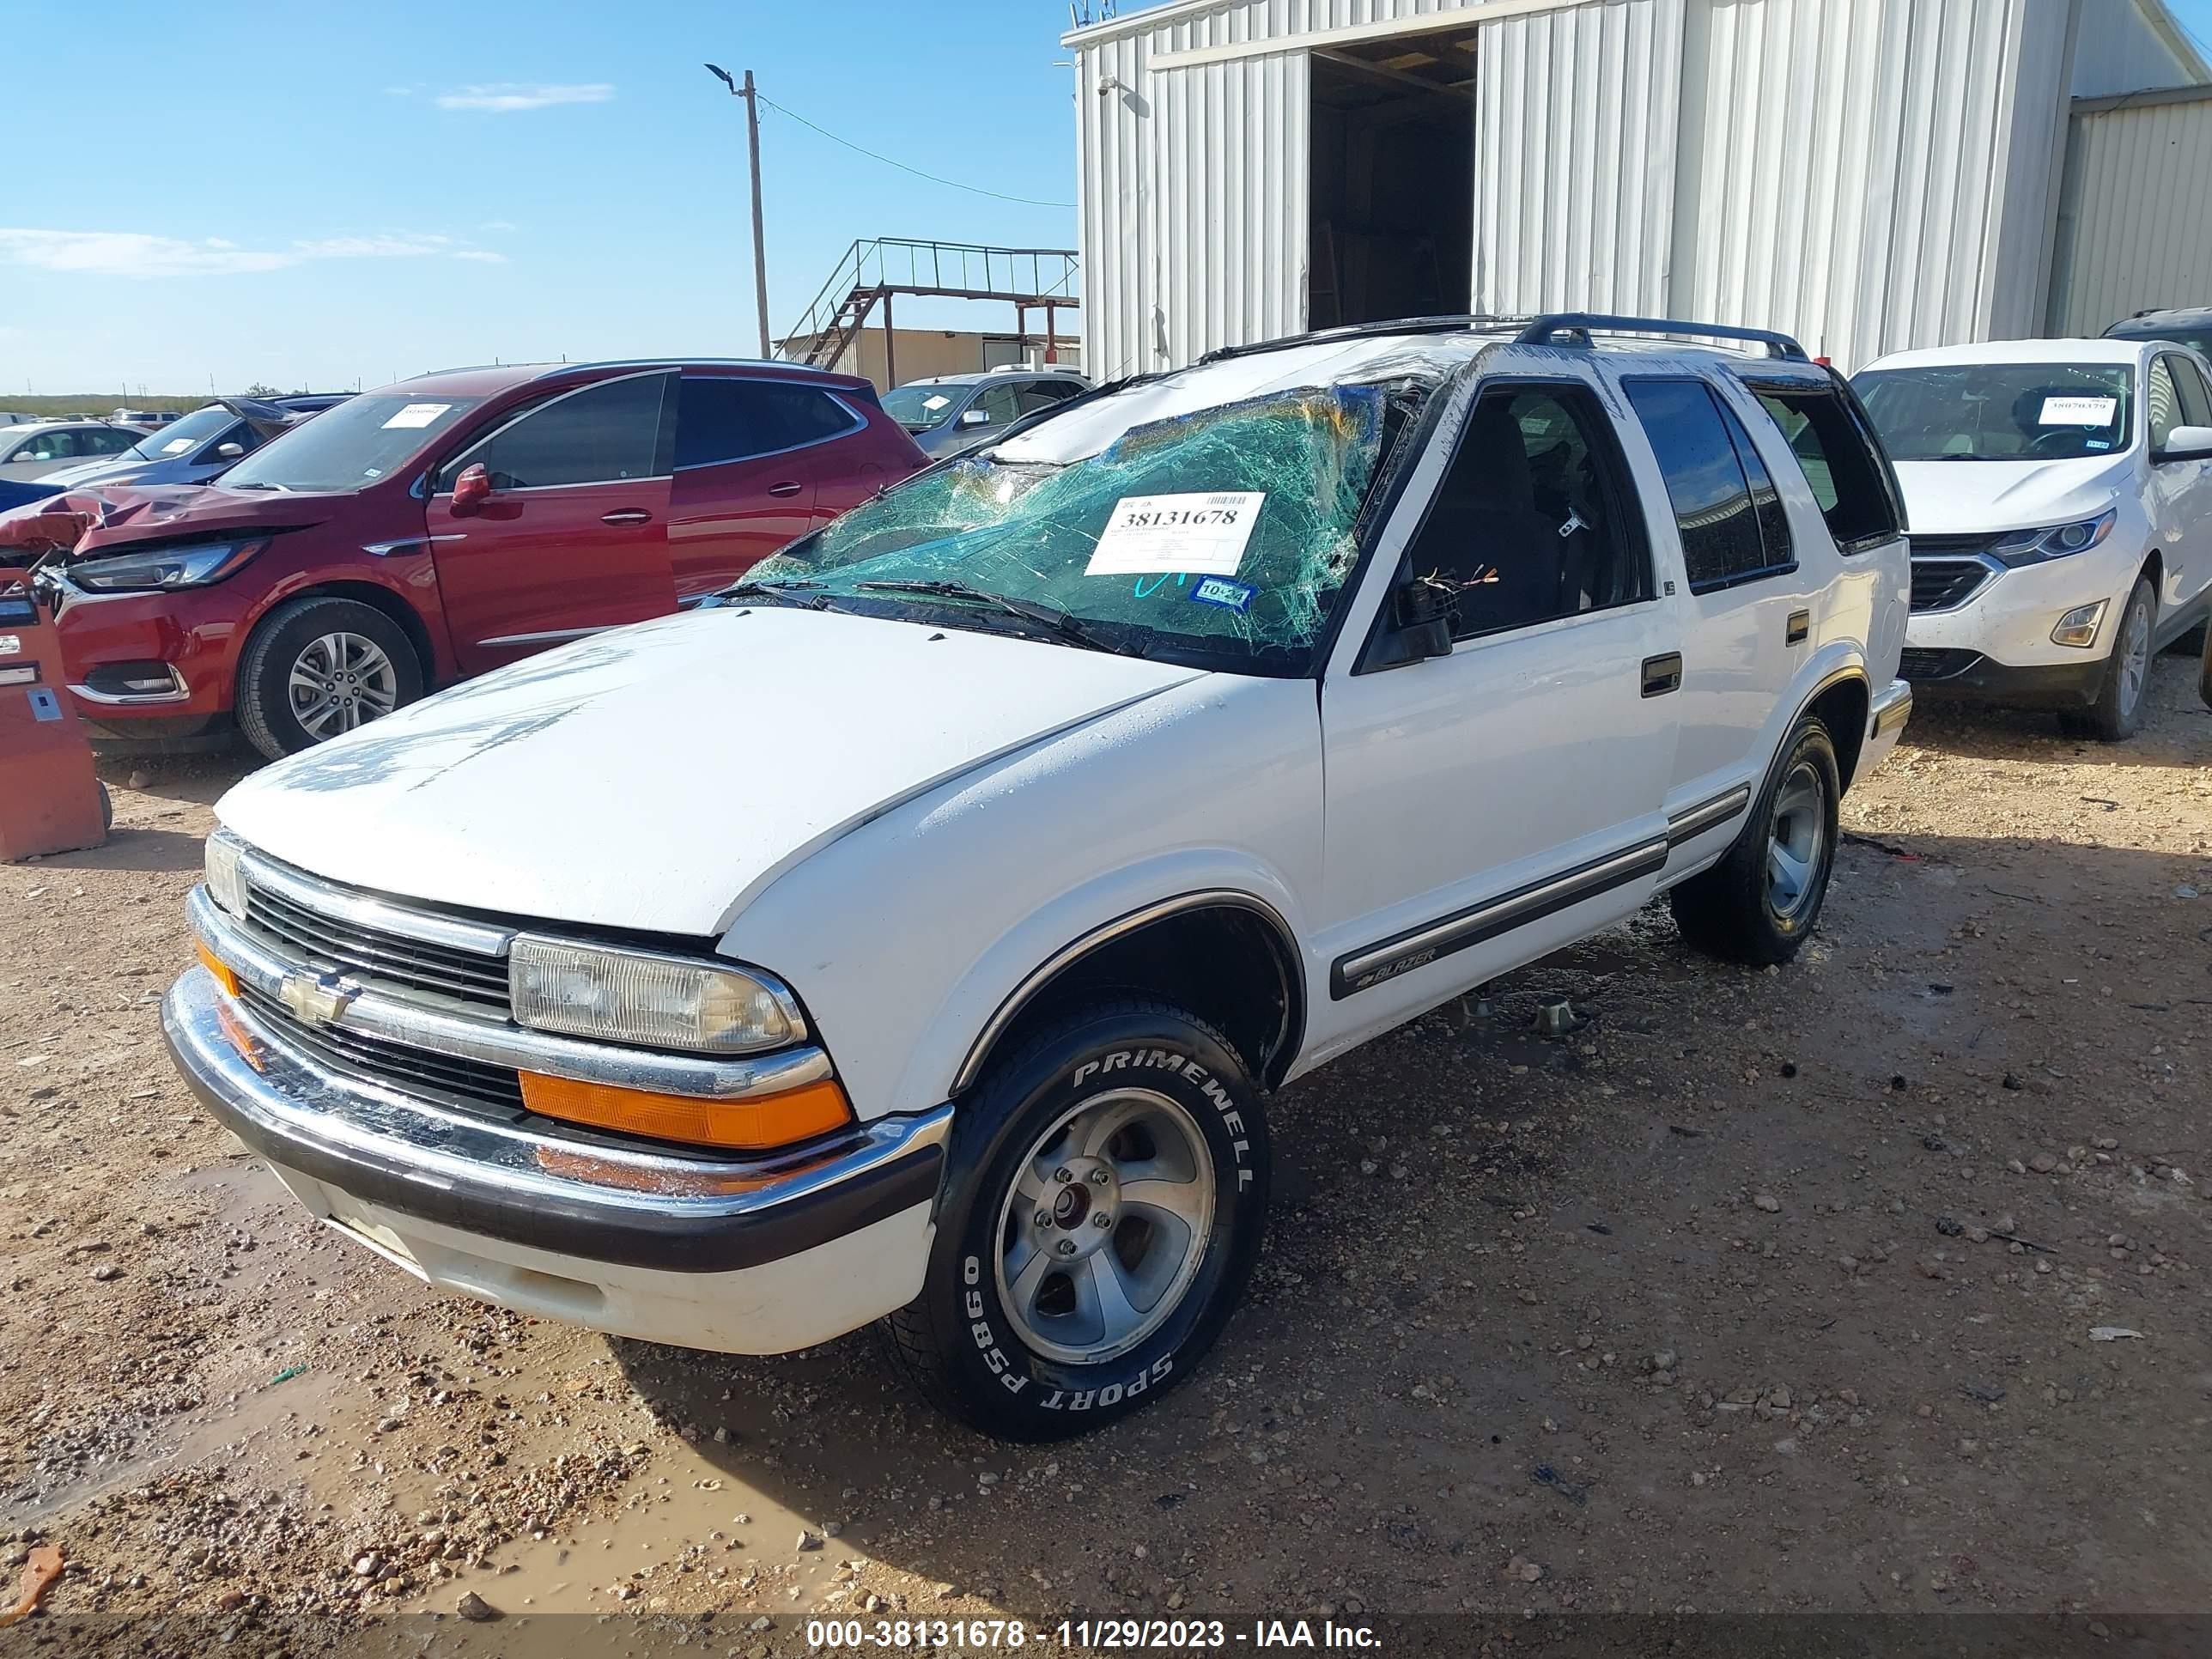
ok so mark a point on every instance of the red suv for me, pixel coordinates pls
(437, 528)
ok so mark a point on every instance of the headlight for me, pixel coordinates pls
(2037, 546)
(225, 886)
(655, 1001)
(162, 569)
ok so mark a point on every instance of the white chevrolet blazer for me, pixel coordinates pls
(917, 934)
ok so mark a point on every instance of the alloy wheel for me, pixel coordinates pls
(340, 681)
(1797, 843)
(1105, 1225)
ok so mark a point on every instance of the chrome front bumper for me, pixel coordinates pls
(528, 1183)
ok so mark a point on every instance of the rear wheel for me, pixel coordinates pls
(1100, 1217)
(2117, 714)
(1759, 904)
(318, 667)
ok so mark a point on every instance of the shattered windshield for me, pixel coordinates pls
(1224, 538)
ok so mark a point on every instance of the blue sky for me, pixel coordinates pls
(317, 193)
(313, 194)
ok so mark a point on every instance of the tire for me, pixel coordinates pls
(328, 638)
(2115, 715)
(1747, 907)
(1011, 1334)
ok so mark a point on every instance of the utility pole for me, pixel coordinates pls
(760, 236)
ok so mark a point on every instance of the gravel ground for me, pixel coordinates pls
(1765, 1292)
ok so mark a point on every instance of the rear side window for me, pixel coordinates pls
(1725, 504)
(604, 434)
(1842, 466)
(1043, 394)
(720, 418)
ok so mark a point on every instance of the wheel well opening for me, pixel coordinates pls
(1226, 964)
(1842, 708)
(2154, 571)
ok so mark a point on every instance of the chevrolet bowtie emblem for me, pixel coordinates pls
(316, 998)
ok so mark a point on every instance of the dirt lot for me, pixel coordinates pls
(1766, 1292)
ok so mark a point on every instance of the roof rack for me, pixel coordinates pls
(1545, 330)
(1527, 329)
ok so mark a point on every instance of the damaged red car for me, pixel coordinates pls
(433, 529)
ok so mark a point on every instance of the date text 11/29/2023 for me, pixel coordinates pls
(1087, 1634)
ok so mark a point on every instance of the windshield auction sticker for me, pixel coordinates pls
(2077, 411)
(1197, 535)
(417, 415)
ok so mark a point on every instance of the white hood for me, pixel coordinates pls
(1971, 498)
(659, 776)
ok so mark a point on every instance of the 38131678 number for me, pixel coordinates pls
(916, 1633)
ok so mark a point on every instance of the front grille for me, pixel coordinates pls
(1924, 666)
(1946, 584)
(298, 933)
(446, 1079)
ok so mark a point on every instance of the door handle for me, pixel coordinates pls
(627, 515)
(1799, 626)
(789, 487)
(1663, 674)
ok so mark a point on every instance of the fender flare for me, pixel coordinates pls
(1284, 941)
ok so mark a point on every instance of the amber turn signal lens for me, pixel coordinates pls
(223, 975)
(771, 1120)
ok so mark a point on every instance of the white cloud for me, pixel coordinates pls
(505, 97)
(482, 256)
(136, 253)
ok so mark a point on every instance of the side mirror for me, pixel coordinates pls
(472, 488)
(2187, 443)
(229, 451)
(1418, 623)
(975, 417)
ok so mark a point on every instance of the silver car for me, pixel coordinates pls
(957, 412)
(32, 452)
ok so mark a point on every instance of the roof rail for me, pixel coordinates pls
(1455, 324)
(1544, 330)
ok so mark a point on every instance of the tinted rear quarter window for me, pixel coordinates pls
(1725, 504)
(1845, 471)
(722, 418)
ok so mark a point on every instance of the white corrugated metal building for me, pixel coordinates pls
(1868, 174)
(2117, 253)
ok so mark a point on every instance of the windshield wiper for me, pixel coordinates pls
(776, 591)
(255, 483)
(1070, 628)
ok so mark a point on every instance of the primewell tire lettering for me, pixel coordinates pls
(1191, 1072)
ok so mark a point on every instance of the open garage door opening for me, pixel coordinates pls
(1393, 177)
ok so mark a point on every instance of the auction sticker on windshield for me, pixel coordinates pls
(1196, 534)
(2077, 411)
(417, 415)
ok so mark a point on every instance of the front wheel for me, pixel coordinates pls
(1759, 904)
(1101, 1215)
(319, 666)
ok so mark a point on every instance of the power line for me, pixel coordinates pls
(950, 184)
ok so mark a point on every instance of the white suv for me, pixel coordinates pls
(2060, 495)
(918, 933)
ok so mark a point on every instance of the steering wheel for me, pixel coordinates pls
(2074, 434)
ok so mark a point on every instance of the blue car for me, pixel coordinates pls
(194, 449)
